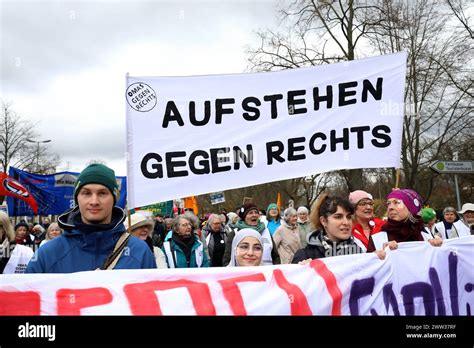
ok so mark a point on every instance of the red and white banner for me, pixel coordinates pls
(416, 279)
(11, 187)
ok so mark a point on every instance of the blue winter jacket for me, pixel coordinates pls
(180, 257)
(86, 247)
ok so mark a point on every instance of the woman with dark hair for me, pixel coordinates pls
(23, 236)
(332, 217)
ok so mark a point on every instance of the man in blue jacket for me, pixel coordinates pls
(92, 231)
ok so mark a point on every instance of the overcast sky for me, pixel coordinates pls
(63, 63)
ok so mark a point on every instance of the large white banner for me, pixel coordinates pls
(201, 134)
(416, 279)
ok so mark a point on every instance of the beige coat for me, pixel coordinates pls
(287, 241)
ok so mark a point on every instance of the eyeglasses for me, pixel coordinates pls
(186, 225)
(246, 247)
(363, 204)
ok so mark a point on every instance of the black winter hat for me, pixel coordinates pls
(245, 209)
(22, 223)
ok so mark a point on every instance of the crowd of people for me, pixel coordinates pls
(95, 233)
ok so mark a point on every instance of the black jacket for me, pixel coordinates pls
(317, 249)
(313, 250)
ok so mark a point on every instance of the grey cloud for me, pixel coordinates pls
(44, 38)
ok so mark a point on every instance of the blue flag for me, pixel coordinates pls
(54, 193)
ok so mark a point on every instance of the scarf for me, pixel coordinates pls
(303, 222)
(185, 244)
(286, 224)
(259, 228)
(404, 231)
(345, 247)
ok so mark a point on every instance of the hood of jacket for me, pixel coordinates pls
(72, 224)
(71, 221)
(97, 238)
(313, 238)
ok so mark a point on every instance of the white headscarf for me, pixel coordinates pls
(239, 236)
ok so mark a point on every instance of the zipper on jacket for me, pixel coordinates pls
(97, 253)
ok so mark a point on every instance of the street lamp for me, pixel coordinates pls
(38, 148)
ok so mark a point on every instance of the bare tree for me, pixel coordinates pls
(458, 8)
(16, 151)
(439, 88)
(317, 32)
(438, 96)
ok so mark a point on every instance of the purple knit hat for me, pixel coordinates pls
(410, 198)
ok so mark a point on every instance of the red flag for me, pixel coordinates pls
(11, 187)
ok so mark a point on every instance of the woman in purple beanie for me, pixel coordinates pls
(403, 224)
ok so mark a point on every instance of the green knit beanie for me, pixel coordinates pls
(97, 174)
(427, 214)
(272, 206)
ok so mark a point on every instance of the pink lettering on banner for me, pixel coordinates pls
(143, 300)
(20, 303)
(71, 301)
(232, 292)
(298, 302)
(331, 285)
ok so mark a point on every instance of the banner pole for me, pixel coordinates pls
(129, 219)
(397, 178)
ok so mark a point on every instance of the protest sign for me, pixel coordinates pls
(200, 134)
(416, 279)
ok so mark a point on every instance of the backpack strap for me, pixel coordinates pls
(113, 258)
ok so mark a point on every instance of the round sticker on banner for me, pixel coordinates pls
(141, 97)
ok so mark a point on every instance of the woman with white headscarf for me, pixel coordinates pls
(247, 248)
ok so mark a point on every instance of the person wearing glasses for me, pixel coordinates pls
(247, 249)
(404, 223)
(216, 238)
(364, 222)
(184, 249)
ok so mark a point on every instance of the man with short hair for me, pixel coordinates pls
(249, 218)
(92, 230)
